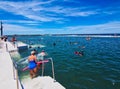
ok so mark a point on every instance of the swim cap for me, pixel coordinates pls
(32, 52)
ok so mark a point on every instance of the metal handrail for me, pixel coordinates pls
(42, 68)
(15, 74)
(52, 66)
(6, 45)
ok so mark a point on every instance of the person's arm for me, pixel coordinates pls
(28, 58)
(35, 58)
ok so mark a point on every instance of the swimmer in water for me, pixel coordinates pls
(81, 53)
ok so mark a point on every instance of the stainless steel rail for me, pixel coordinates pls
(15, 74)
(52, 66)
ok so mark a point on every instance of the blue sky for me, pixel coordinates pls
(60, 16)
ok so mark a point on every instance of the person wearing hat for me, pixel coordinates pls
(32, 64)
(13, 40)
(41, 55)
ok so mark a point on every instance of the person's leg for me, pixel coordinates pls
(31, 73)
(35, 71)
(38, 66)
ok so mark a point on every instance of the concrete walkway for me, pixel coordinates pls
(7, 46)
(7, 76)
(42, 82)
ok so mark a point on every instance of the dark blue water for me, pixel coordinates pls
(98, 68)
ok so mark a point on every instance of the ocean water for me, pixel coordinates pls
(98, 68)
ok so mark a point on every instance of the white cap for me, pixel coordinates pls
(32, 52)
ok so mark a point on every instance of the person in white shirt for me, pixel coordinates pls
(41, 55)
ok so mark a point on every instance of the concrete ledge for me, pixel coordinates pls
(42, 82)
(7, 80)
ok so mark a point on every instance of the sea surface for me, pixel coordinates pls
(97, 68)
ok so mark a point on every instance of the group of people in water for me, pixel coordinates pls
(33, 59)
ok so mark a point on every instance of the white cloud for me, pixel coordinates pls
(110, 27)
(22, 21)
(26, 9)
(85, 13)
(46, 11)
(38, 11)
(17, 29)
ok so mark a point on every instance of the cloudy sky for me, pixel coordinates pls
(60, 16)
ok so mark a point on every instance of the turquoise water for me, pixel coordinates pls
(98, 68)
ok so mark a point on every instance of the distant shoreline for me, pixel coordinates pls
(79, 35)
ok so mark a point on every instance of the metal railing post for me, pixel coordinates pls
(6, 46)
(16, 74)
(52, 69)
(17, 79)
(42, 68)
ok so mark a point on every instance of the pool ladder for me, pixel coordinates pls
(52, 66)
